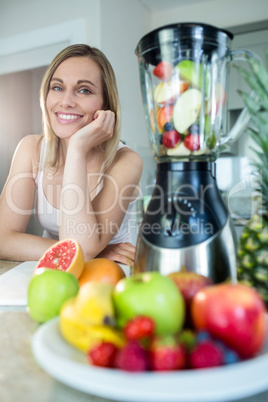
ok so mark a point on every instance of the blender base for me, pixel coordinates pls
(214, 258)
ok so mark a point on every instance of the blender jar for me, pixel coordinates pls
(183, 73)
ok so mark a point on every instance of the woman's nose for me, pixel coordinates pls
(68, 100)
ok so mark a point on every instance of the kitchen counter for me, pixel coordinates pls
(21, 378)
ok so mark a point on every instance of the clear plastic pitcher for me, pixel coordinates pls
(184, 70)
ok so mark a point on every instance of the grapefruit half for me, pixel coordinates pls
(65, 255)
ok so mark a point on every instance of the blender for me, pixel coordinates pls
(184, 71)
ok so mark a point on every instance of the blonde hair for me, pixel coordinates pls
(110, 98)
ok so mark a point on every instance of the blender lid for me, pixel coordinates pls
(184, 34)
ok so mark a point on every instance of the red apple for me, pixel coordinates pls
(233, 313)
(189, 283)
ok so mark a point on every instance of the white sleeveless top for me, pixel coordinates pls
(48, 216)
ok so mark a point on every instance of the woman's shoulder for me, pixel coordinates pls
(31, 142)
(126, 152)
(128, 162)
(29, 148)
(126, 155)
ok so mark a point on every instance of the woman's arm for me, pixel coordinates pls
(123, 253)
(94, 223)
(16, 204)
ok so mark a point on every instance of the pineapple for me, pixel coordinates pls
(252, 253)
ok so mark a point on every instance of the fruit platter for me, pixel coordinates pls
(147, 336)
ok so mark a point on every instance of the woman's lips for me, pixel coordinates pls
(66, 118)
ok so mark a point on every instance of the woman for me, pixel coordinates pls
(83, 179)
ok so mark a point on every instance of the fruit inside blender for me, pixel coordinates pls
(184, 108)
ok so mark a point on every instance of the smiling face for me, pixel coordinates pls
(75, 94)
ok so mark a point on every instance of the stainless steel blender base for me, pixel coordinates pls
(214, 258)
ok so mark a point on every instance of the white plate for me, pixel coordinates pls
(69, 366)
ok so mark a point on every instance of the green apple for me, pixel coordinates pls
(191, 72)
(153, 295)
(47, 291)
(186, 109)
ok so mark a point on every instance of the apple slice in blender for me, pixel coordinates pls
(187, 109)
(191, 71)
(220, 100)
(179, 150)
(221, 97)
(168, 92)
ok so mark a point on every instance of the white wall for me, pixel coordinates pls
(221, 13)
(21, 16)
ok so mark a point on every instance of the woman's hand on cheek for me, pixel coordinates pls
(101, 129)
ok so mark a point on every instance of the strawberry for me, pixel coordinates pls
(103, 354)
(171, 138)
(166, 354)
(192, 142)
(132, 357)
(206, 354)
(139, 327)
(163, 71)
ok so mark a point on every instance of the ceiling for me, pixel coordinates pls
(160, 5)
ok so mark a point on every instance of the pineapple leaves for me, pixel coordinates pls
(251, 103)
(256, 82)
(260, 73)
(260, 121)
(257, 105)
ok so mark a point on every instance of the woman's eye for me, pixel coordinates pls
(84, 91)
(56, 88)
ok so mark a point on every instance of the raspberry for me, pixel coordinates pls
(132, 357)
(206, 354)
(192, 142)
(166, 354)
(139, 327)
(103, 354)
(171, 138)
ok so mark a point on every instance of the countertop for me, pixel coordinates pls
(21, 379)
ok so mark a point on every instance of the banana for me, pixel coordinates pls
(88, 318)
